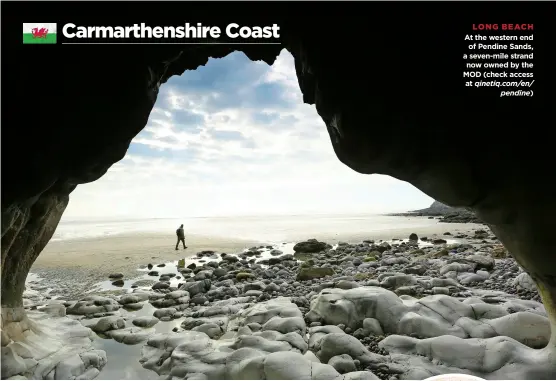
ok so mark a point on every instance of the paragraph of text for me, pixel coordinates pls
(500, 56)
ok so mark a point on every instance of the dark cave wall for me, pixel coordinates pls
(391, 103)
(25, 232)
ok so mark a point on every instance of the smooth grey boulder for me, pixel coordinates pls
(132, 298)
(430, 316)
(93, 304)
(145, 322)
(342, 363)
(495, 358)
(523, 281)
(108, 323)
(131, 335)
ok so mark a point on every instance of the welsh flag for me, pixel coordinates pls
(39, 33)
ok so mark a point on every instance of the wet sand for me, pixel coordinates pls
(125, 253)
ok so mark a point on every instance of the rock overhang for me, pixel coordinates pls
(392, 105)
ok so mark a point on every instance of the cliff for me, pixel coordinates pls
(445, 213)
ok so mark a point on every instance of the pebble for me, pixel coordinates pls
(355, 265)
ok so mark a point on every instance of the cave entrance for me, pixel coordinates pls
(231, 151)
(235, 145)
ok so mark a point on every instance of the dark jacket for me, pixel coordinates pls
(180, 233)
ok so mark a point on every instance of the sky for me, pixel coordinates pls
(235, 138)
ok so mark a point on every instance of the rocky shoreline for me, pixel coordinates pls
(444, 213)
(403, 309)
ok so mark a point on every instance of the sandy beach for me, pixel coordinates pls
(168, 302)
(125, 253)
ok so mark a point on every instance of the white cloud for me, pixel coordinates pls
(252, 148)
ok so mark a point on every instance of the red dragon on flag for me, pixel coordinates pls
(39, 33)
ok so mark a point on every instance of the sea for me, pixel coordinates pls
(253, 228)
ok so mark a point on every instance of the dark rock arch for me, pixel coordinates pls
(388, 87)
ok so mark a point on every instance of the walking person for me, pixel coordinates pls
(181, 237)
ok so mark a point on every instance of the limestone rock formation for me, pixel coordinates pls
(431, 316)
(442, 334)
(45, 346)
(260, 341)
